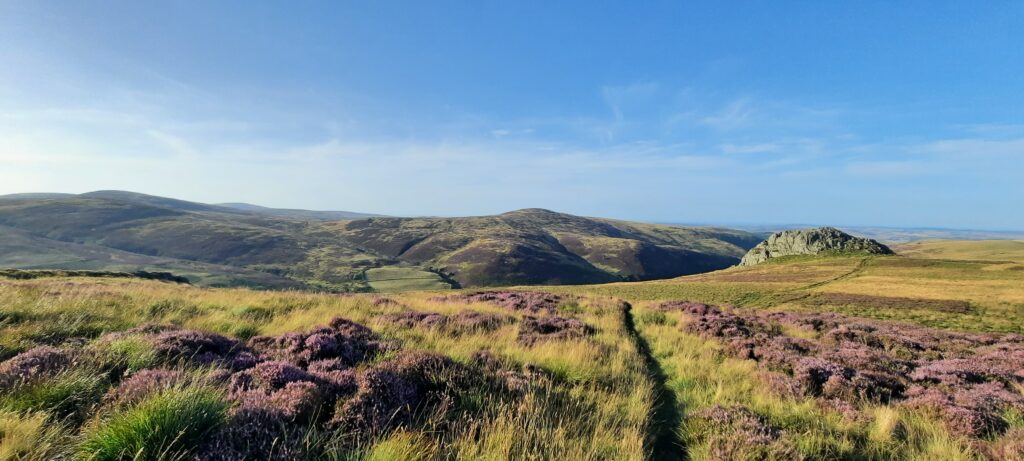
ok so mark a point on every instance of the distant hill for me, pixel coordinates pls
(298, 214)
(536, 246)
(247, 245)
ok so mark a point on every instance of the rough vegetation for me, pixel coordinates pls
(250, 246)
(846, 357)
(811, 242)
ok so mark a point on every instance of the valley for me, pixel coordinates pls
(246, 245)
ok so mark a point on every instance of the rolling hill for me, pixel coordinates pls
(246, 245)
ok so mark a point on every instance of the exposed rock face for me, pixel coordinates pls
(810, 242)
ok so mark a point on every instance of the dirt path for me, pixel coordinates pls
(853, 273)
(664, 443)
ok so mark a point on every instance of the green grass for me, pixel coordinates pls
(166, 426)
(71, 394)
(397, 278)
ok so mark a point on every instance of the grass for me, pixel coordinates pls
(68, 395)
(27, 435)
(606, 397)
(965, 250)
(397, 278)
(166, 426)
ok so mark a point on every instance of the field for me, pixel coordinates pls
(396, 278)
(898, 357)
(1009, 251)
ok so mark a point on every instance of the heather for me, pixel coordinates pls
(533, 302)
(170, 376)
(968, 379)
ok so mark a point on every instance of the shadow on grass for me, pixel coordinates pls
(662, 436)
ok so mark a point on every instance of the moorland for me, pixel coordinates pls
(910, 356)
(246, 245)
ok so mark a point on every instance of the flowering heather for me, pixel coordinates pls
(345, 340)
(297, 401)
(254, 432)
(736, 432)
(1008, 447)
(972, 409)
(34, 363)
(268, 375)
(530, 301)
(389, 393)
(533, 329)
(968, 379)
(201, 348)
(140, 385)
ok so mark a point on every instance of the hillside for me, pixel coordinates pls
(291, 213)
(537, 246)
(226, 246)
(1006, 251)
(843, 357)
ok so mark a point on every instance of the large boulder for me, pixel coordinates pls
(811, 242)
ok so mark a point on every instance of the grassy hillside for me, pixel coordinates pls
(1008, 251)
(883, 357)
(543, 247)
(263, 247)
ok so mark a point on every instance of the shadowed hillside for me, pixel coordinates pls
(245, 245)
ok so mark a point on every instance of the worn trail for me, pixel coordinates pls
(662, 436)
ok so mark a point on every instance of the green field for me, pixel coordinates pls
(391, 279)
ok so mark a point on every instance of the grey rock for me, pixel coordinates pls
(811, 242)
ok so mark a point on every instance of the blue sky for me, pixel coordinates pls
(845, 113)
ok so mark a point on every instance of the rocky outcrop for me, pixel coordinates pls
(811, 242)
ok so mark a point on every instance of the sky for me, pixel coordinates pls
(907, 114)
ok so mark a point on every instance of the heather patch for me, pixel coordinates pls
(342, 340)
(140, 385)
(533, 329)
(534, 302)
(37, 362)
(391, 393)
(886, 302)
(735, 432)
(969, 380)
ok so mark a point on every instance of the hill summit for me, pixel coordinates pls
(811, 242)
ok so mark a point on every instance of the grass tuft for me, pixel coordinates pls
(166, 426)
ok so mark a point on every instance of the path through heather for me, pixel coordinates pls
(662, 436)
